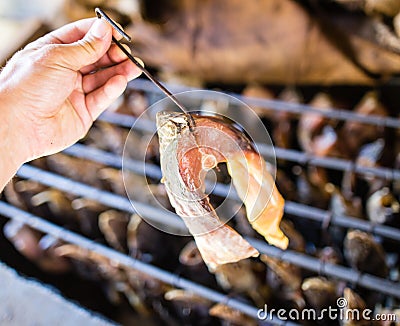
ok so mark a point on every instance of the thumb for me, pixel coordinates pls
(90, 48)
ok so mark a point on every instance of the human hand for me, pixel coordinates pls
(53, 89)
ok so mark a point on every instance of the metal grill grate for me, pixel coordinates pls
(302, 211)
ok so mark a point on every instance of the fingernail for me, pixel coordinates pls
(99, 28)
(140, 61)
(127, 48)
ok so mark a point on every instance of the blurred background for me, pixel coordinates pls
(322, 75)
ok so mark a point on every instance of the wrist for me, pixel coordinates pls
(12, 149)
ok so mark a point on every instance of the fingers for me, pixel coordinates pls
(71, 32)
(101, 98)
(66, 34)
(87, 50)
(125, 68)
(116, 34)
(94, 50)
(113, 56)
(83, 44)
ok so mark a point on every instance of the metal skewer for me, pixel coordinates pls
(101, 14)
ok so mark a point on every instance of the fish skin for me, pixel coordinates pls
(187, 155)
(217, 242)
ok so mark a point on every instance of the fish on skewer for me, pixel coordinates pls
(186, 155)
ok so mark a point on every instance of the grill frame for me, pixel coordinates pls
(175, 280)
(293, 208)
(109, 199)
(276, 105)
(155, 215)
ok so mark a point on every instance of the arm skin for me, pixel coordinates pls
(53, 90)
(11, 157)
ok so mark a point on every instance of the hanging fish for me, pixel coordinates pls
(284, 120)
(242, 277)
(365, 254)
(330, 255)
(188, 306)
(230, 316)
(107, 137)
(319, 292)
(310, 124)
(284, 279)
(87, 212)
(19, 193)
(38, 248)
(382, 207)
(185, 158)
(357, 133)
(58, 203)
(296, 239)
(193, 266)
(75, 168)
(355, 307)
(113, 224)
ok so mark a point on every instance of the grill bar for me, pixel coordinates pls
(293, 208)
(268, 151)
(302, 260)
(103, 197)
(127, 121)
(328, 162)
(58, 232)
(276, 105)
(110, 159)
(122, 203)
(175, 224)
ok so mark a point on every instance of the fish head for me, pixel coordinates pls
(174, 122)
(170, 126)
